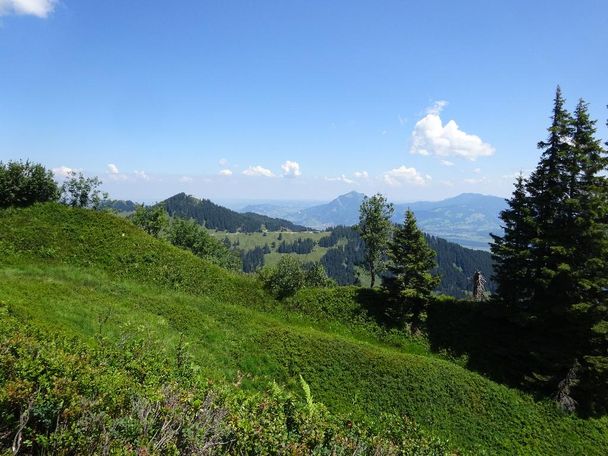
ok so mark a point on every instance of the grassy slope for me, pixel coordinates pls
(66, 269)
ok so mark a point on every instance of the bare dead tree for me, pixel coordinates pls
(479, 286)
(563, 398)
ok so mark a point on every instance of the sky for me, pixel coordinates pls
(294, 99)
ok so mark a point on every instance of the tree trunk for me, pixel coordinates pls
(372, 272)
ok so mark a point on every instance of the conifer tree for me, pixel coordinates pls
(591, 261)
(547, 188)
(511, 251)
(410, 282)
(552, 261)
(375, 228)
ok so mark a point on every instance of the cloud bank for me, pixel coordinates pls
(403, 175)
(258, 171)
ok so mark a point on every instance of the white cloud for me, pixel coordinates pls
(113, 169)
(431, 137)
(63, 171)
(40, 8)
(437, 107)
(186, 179)
(223, 162)
(404, 175)
(447, 163)
(477, 170)
(361, 174)
(141, 175)
(402, 120)
(341, 178)
(225, 172)
(258, 171)
(291, 169)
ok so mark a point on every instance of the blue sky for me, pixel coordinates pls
(302, 99)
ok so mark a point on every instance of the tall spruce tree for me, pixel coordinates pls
(375, 229)
(511, 252)
(547, 188)
(410, 282)
(591, 261)
(552, 261)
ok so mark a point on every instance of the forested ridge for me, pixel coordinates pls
(216, 217)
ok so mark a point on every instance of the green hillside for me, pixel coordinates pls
(90, 274)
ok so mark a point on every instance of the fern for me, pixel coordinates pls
(310, 405)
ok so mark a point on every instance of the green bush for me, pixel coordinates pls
(289, 276)
(189, 235)
(134, 397)
(153, 220)
(25, 183)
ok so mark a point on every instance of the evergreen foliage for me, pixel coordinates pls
(552, 267)
(299, 246)
(375, 228)
(456, 265)
(219, 218)
(25, 183)
(253, 259)
(122, 206)
(410, 282)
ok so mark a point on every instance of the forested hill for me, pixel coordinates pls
(216, 217)
(456, 265)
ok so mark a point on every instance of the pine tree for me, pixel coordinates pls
(375, 228)
(410, 282)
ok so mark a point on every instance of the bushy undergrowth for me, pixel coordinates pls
(133, 397)
(61, 268)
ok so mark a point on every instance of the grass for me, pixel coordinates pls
(82, 272)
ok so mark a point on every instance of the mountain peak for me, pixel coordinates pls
(351, 195)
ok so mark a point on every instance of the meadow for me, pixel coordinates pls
(87, 274)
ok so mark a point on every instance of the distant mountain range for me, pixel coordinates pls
(466, 219)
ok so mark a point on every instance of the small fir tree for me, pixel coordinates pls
(410, 282)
